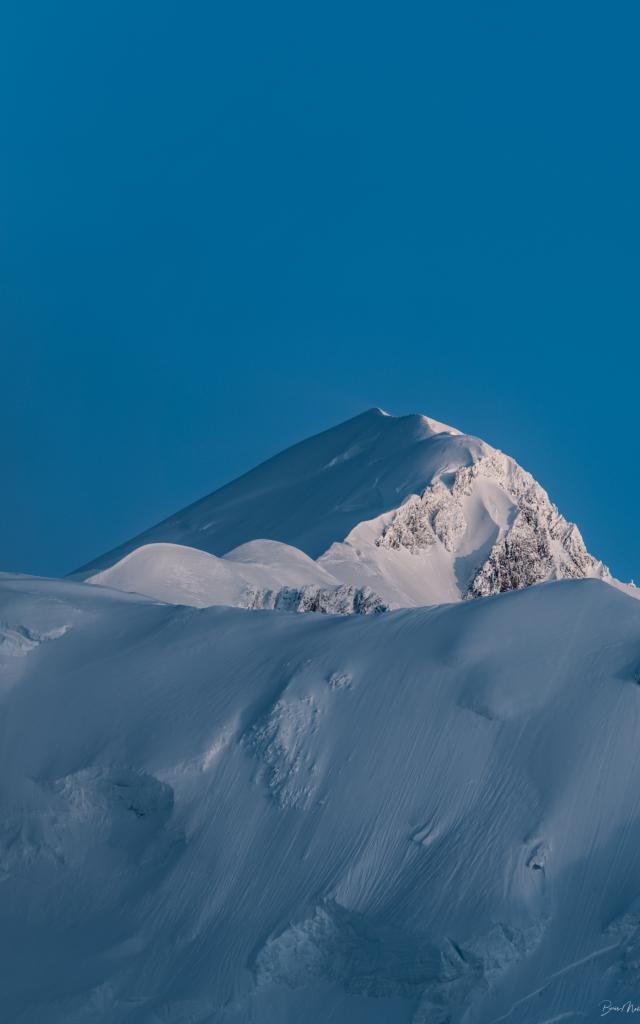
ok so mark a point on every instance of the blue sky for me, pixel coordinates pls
(226, 227)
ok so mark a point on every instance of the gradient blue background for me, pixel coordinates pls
(226, 227)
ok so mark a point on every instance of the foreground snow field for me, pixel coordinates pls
(220, 815)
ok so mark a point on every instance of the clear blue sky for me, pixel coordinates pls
(224, 227)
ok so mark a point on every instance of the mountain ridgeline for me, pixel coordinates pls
(405, 511)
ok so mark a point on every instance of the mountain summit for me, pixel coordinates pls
(407, 507)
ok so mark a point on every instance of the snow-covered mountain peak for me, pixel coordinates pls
(315, 492)
(406, 506)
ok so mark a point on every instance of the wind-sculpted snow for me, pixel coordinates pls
(85, 811)
(18, 640)
(217, 815)
(263, 574)
(280, 739)
(184, 575)
(380, 962)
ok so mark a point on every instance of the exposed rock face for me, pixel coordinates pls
(344, 600)
(538, 547)
(436, 515)
(537, 543)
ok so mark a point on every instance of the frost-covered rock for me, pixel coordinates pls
(539, 545)
(535, 542)
(436, 515)
(343, 600)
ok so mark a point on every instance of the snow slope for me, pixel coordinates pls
(216, 815)
(179, 574)
(261, 574)
(406, 506)
(315, 492)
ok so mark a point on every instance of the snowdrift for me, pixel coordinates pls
(262, 574)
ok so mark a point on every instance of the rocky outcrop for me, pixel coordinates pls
(536, 544)
(422, 520)
(535, 550)
(539, 545)
(344, 600)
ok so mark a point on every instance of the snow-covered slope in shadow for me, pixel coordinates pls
(217, 815)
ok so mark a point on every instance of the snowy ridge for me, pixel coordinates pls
(262, 574)
(242, 579)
